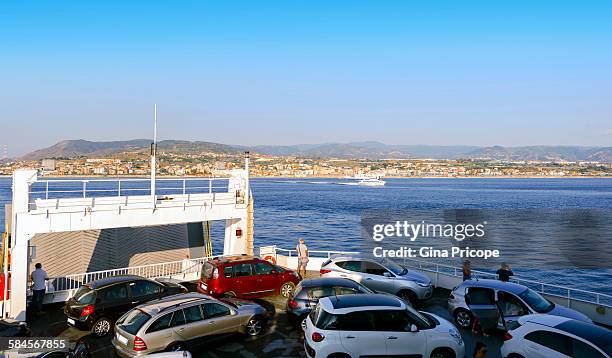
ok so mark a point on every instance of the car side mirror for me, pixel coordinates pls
(413, 328)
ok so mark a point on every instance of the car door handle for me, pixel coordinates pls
(181, 329)
(349, 337)
(368, 279)
(211, 322)
(342, 275)
(392, 337)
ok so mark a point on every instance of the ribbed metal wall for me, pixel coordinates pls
(67, 253)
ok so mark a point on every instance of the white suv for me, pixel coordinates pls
(351, 326)
(547, 336)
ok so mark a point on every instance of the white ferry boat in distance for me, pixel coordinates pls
(365, 180)
(371, 182)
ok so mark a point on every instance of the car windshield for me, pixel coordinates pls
(536, 302)
(420, 319)
(395, 268)
(132, 321)
(85, 295)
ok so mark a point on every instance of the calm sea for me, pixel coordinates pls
(328, 215)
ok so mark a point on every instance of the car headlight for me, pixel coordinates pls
(423, 284)
(455, 334)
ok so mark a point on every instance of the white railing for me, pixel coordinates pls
(568, 293)
(316, 253)
(90, 188)
(186, 269)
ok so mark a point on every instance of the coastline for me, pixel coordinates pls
(324, 177)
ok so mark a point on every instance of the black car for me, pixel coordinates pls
(98, 304)
(307, 294)
(12, 328)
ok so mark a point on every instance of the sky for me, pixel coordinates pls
(506, 73)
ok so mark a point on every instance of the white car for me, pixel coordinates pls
(351, 326)
(547, 336)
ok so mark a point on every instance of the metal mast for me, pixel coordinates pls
(153, 154)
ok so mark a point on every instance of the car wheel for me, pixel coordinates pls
(229, 294)
(254, 326)
(442, 353)
(409, 296)
(338, 355)
(463, 318)
(176, 347)
(286, 289)
(101, 327)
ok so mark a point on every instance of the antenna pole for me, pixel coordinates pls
(153, 162)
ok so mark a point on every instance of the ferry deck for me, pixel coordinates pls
(39, 210)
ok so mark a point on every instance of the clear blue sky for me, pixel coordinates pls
(254, 72)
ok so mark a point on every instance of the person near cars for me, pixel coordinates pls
(467, 270)
(302, 254)
(39, 279)
(504, 272)
(480, 350)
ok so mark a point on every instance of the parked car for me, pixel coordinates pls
(354, 326)
(12, 328)
(308, 293)
(179, 354)
(546, 336)
(179, 322)
(96, 305)
(510, 299)
(380, 275)
(245, 276)
(81, 349)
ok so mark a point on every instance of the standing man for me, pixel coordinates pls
(39, 277)
(302, 254)
(504, 272)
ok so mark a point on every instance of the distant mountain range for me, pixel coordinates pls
(353, 150)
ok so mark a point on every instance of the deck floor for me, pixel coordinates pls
(281, 339)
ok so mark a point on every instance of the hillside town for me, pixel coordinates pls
(220, 164)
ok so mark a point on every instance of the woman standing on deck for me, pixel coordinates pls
(467, 270)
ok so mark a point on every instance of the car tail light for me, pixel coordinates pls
(317, 337)
(139, 344)
(215, 274)
(507, 336)
(324, 271)
(293, 304)
(87, 310)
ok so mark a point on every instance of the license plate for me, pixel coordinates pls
(203, 286)
(71, 321)
(123, 340)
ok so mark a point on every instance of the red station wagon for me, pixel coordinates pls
(245, 277)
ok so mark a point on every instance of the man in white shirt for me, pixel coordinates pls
(39, 278)
(302, 255)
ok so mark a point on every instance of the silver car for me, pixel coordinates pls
(380, 275)
(178, 322)
(509, 300)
